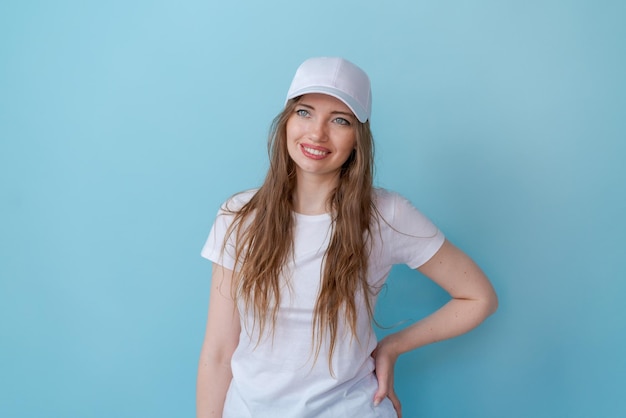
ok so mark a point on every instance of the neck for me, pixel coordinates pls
(311, 195)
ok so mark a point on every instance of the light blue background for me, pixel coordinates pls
(124, 125)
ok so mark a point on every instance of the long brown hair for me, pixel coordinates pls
(263, 231)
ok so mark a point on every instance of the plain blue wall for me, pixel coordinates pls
(124, 125)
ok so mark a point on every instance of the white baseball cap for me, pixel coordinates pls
(336, 77)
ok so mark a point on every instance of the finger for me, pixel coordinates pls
(381, 393)
(396, 403)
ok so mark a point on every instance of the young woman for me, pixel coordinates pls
(299, 262)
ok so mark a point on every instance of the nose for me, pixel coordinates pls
(317, 130)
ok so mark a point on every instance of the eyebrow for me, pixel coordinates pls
(334, 112)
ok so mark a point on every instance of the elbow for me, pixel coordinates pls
(491, 303)
(486, 305)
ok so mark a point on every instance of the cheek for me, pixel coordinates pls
(290, 136)
(348, 147)
(292, 131)
(349, 142)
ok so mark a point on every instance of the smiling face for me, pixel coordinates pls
(321, 135)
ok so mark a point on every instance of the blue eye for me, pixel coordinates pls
(302, 112)
(342, 121)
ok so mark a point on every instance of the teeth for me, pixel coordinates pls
(314, 151)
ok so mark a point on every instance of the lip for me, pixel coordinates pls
(325, 151)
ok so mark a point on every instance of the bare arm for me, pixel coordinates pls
(473, 300)
(220, 341)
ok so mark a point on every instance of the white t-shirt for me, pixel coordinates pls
(279, 376)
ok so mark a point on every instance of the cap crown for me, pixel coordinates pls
(336, 77)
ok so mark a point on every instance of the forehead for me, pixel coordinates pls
(325, 102)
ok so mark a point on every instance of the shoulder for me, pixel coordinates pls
(386, 201)
(237, 201)
(382, 196)
(228, 211)
(397, 211)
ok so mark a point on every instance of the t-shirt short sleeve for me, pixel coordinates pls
(215, 249)
(409, 237)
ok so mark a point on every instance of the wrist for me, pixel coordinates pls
(390, 346)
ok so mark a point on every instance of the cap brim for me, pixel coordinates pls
(359, 112)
